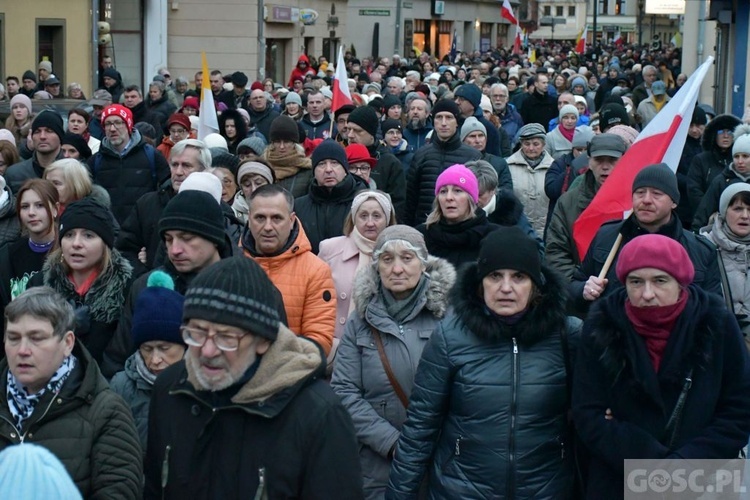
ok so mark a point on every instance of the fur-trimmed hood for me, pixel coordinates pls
(442, 277)
(106, 296)
(719, 123)
(547, 315)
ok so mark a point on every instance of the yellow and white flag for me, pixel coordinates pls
(208, 122)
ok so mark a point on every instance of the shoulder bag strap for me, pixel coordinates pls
(388, 371)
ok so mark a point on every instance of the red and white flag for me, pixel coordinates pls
(341, 95)
(581, 42)
(661, 141)
(517, 42)
(618, 39)
(507, 12)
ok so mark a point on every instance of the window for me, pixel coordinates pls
(559, 11)
(572, 11)
(547, 10)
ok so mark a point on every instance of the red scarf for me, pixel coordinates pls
(83, 288)
(568, 134)
(655, 325)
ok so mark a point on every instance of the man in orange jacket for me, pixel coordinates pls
(276, 240)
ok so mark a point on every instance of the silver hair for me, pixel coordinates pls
(398, 80)
(414, 74)
(500, 86)
(159, 85)
(650, 68)
(485, 173)
(204, 156)
(393, 246)
(42, 303)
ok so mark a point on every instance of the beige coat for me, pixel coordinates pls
(528, 186)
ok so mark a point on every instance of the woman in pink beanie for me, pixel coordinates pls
(662, 371)
(456, 225)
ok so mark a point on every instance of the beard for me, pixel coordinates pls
(416, 123)
(218, 382)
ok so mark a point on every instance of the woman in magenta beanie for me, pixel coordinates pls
(456, 226)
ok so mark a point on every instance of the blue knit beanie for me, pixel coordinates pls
(330, 150)
(29, 471)
(158, 311)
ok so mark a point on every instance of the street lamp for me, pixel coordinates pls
(552, 21)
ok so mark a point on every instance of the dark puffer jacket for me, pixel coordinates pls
(127, 178)
(10, 228)
(702, 253)
(262, 119)
(487, 416)
(427, 165)
(389, 176)
(322, 212)
(614, 371)
(710, 202)
(88, 427)
(711, 162)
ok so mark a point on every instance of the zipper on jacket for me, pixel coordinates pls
(383, 405)
(457, 450)
(165, 470)
(260, 493)
(513, 409)
(46, 410)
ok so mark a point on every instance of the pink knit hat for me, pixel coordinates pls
(659, 252)
(459, 176)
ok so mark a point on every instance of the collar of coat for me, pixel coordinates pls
(547, 315)
(289, 364)
(442, 277)
(616, 340)
(105, 297)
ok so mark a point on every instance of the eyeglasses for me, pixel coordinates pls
(725, 131)
(114, 123)
(197, 337)
(362, 168)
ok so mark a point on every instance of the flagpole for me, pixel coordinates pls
(610, 257)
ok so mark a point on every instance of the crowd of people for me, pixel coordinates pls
(378, 300)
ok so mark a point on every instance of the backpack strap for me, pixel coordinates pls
(151, 157)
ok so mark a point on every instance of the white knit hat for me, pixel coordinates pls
(741, 139)
(203, 181)
(216, 141)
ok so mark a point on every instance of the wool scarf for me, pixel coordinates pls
(22, 404)
(142, 369)
(287, 164)
(655, 325)
(400, 309)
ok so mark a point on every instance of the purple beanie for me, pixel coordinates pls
(460, 176)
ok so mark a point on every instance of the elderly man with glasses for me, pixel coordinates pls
(246, 414)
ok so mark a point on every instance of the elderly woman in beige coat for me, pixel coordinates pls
(528, 166)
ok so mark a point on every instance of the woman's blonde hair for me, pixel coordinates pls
(104, 265)
(437, 214)
(75, 176)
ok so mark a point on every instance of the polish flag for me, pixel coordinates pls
(507, 12)
(618, 39)
(341, 95)
(581, 42)
(517, 43)
(208, 123)
(661, 141)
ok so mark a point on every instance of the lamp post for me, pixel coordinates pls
(552, 21)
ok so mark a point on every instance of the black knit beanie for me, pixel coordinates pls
(329, 149)
(446, 105)
(510, 248)
(365, 117)
(235, 292)
(28, 75)
(391, 100)
(390, 124)
(89, 214)
(51, 120)
(78, 142)
(660, 177)
(194, 212)
(284, 128)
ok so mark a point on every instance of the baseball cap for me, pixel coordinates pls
(101, 98)
(658, 88)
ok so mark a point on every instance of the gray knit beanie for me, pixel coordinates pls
(235, 292)
(660, 177)
(404, 233)
(471, 124)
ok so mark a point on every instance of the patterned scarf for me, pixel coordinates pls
(22, 404)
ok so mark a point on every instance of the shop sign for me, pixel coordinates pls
(375, 12)
(282, 14)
